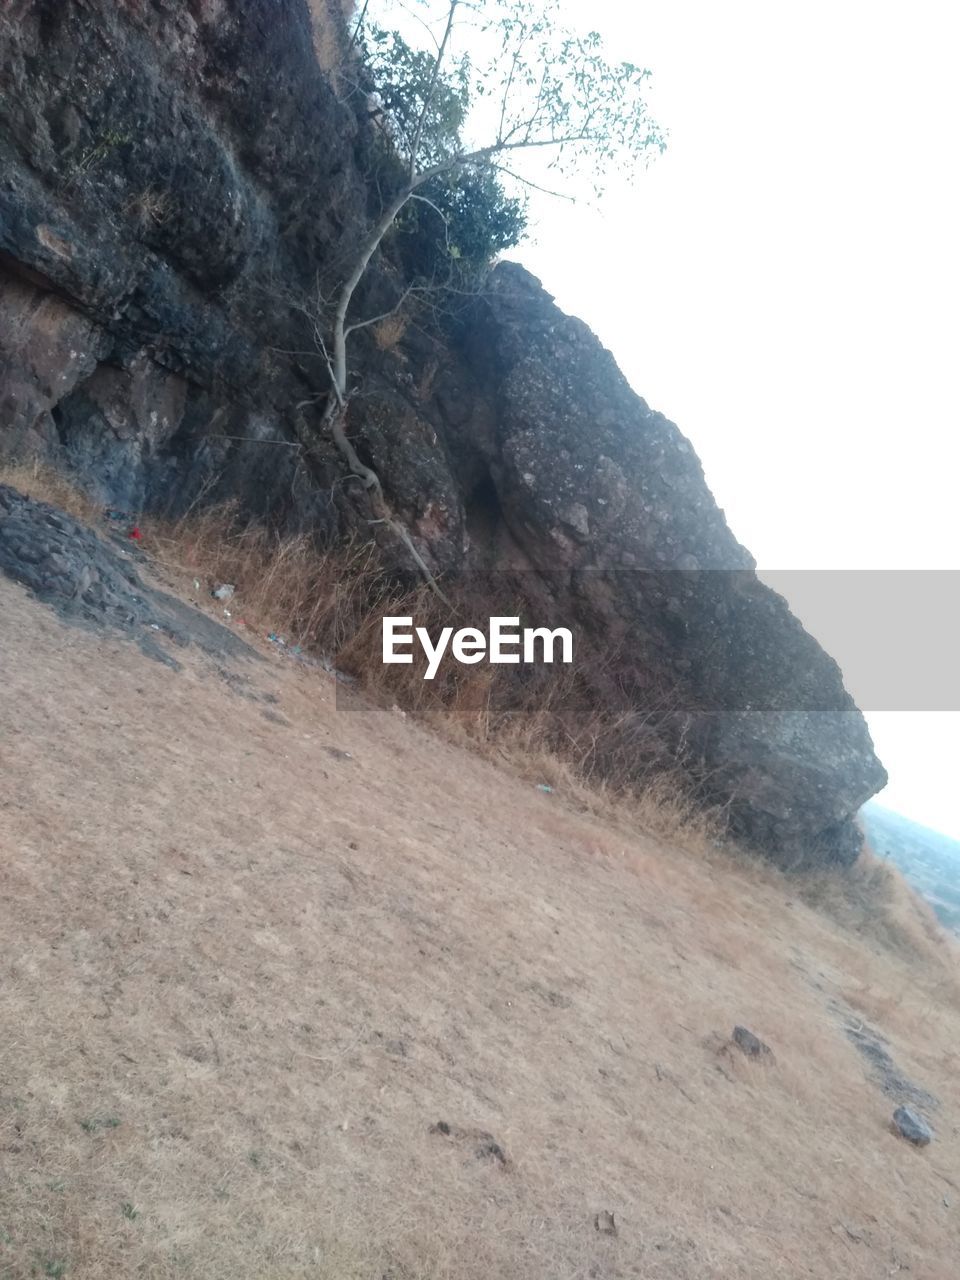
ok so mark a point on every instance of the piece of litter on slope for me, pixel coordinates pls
(542, 786)
(135, 534)
(225, 591)
(276, 639)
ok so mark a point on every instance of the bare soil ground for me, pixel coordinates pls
(298, 989)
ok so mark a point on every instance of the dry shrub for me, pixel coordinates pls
(41, 482)
(874, 900)
(545, 722)
(329, 19)
(388, 333)
(150, 208)
(314, 598)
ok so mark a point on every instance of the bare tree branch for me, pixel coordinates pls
(431, 91)
(384, 315)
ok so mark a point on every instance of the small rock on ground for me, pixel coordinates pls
(912, 1126)
(751, 1045)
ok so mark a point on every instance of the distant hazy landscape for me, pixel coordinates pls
(929, 860)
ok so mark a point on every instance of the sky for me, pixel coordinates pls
(784, 284)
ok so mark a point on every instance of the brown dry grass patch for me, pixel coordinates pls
(389, 332)
(330, 21)
(45, 484)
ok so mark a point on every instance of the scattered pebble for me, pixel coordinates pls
(751, 1045)
(909, 1124)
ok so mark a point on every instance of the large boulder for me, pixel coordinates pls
(608, 503)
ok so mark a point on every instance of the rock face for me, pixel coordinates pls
(168, 173)
(90, 580)
(608, 501)
(174, 177)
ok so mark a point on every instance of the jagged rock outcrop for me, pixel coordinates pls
(170, 176)
(174, 179)
(94, 581)
(608, 503)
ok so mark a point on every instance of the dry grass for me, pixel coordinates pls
(330, 20)
(151, 208)
(287, 585)
(388, 333)
(256, 950)
(332, 602)
(47, 485)
(874, 900)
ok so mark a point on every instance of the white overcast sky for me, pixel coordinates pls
(784, 284)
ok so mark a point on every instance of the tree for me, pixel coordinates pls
(549, 106)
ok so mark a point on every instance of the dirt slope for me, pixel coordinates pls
(245, 974)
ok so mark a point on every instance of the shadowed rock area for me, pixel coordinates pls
(173, 178)
(87, 580)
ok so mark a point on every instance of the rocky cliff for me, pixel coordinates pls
(175, 180)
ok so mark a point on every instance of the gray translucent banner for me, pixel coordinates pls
(895, 633)
(725, 640)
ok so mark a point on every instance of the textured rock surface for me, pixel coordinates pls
(163, 188)
(883, 1069)
(89, 580)
(172, 175)
(606, 499)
